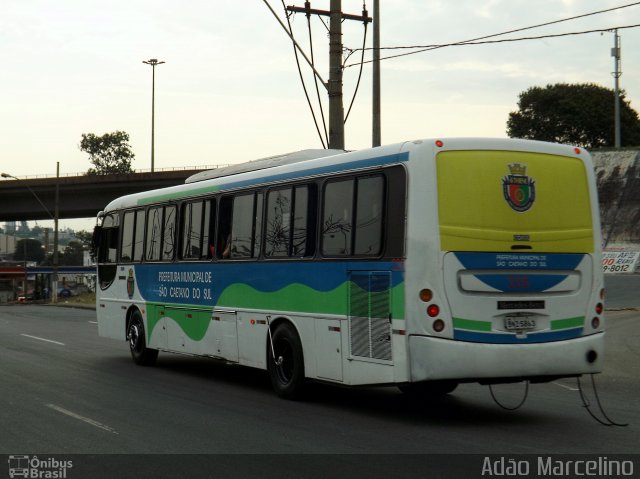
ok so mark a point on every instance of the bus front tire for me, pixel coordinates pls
(286, 369)
(137, 343)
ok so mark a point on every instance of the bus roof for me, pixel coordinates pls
(262, 163)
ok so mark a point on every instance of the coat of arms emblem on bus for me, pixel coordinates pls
(519, 189)
(131, 283)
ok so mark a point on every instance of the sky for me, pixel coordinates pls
(229, 89)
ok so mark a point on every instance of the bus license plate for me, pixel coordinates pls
(519, 323)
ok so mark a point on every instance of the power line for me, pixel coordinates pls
(364, 42)
(424, 48)
(324, 122)
(304, 86)
(432, 47)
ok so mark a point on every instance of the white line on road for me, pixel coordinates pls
(92, 322)
(566, 387)
(42, 339)
(81, 418)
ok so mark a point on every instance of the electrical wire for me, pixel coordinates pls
(364, 42)
(487, 42)
(324, 122)
(304, 86)
(432, 47)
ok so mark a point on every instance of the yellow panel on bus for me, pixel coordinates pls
(509, 200)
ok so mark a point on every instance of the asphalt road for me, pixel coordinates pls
(623, 291)
(64, 390)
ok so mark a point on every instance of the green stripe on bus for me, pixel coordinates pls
(471, 324)
(300, 298)
(568, 323)
(177, 195)
(295, 298)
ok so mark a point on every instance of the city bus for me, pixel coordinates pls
(423, 265)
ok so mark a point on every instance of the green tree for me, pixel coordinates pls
(109, 153)
(85, 237)
(578, 114)
(73, 254)
(28, 250)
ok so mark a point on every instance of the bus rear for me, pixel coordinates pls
(516, 287)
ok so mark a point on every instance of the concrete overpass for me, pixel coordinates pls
(79, 196)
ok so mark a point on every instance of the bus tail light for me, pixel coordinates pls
(595, 322)
(438, 325)
(426, 295)
(433, 310)
(602, 294)
(599, 308)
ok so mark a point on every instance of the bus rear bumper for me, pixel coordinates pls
(436, 358)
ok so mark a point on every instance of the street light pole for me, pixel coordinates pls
(153, 62)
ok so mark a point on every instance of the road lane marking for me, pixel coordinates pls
(93, 322)
(566, 387)
(82, 418)
(43, 339)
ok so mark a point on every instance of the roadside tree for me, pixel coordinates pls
(109, 153)
(578, 114)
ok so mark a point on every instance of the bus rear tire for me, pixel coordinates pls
(428, 389)
(141, 355)
(286, 370)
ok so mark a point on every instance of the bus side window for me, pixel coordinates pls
(154, 234)
(169, 233)
(223, 243)
(369, 209)
(138, 239)
(290, 224)
(127, 236)
(196, 238)
(242, 226)
(352, 221)
(109, 236)
(208, 224)
(278, 218)
(337, 229)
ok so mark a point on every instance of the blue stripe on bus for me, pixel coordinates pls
(528, 261)
(265, 277)
(336, 168)
(507, 338)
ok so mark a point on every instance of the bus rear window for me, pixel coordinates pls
(509, 200)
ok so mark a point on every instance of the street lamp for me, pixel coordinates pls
(7, 175)
(153, 62)
(54, 217)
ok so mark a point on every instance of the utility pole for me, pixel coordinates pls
(334, 85)
(377, 132)
(56, 255)
(616, 54)
(336, 108)
(153, 62)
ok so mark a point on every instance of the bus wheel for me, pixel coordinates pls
(137, 344)
(428, 389)
(286, 369)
